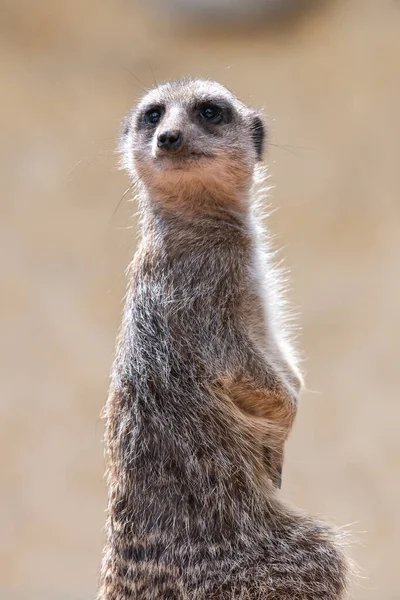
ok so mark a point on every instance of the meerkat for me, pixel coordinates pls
(205, 383)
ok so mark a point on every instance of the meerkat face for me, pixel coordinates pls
(192, 134)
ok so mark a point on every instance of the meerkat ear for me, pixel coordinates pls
(126, 124)
(258, 135)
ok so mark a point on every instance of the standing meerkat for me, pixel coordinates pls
(205, 383)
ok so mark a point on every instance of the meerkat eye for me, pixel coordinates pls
(211, 113)
(153, 116)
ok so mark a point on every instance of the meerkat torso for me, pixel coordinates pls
(205, 383)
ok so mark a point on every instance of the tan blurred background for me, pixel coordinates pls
(330, 82)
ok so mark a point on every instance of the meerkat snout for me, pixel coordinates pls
(170, 141)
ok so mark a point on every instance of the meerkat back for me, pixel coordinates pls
(205, 384)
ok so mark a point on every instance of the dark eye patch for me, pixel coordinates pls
(153, 115)
(213, 111)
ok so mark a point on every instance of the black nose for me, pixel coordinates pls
(170, 140)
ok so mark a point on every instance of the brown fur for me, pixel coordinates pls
(205, 383)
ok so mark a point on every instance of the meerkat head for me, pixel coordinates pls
(191, 138)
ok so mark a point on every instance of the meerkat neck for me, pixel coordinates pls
(194, 202)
